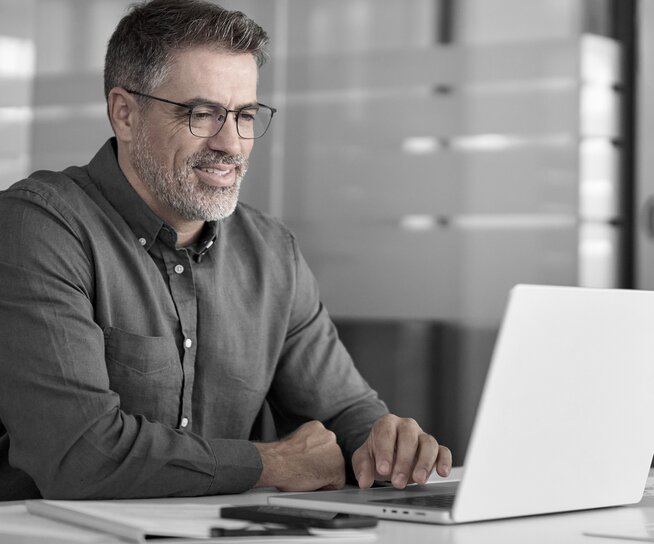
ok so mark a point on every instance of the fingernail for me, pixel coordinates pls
(420, 475)
(445, 470)
(384, 467)
(399, 480)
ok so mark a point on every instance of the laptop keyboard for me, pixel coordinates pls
(441, 501)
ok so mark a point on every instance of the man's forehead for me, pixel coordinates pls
(214, 74)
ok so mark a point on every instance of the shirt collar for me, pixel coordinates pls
(206, 240)
(144, 223)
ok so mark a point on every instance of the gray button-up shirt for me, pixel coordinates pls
(132, 368)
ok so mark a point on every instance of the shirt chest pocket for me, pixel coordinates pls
(146, 373)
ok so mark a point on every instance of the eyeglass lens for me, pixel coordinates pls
(206, 120)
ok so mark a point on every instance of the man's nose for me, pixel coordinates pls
(227, 139)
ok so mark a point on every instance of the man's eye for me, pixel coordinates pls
(208, 113)
(248, 115)
(202, 115)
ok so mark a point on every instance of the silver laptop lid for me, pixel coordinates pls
(566, 419)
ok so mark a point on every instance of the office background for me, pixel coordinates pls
(429, 154)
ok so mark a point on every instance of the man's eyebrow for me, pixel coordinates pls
(201, 101)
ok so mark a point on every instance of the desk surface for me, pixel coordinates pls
(568, 528)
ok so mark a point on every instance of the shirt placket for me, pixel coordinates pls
(182, 290)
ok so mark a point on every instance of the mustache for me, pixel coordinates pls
(216, 157)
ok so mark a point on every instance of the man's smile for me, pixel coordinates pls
(218, 175)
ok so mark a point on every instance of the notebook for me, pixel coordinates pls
(565, 421)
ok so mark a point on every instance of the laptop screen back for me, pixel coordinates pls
(566, 419)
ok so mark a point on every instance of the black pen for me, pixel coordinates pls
(273, 531)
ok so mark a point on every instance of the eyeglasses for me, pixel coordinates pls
(206, 120)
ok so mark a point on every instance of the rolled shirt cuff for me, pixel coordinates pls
(238, 466)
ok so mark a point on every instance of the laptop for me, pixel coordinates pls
(565, 421)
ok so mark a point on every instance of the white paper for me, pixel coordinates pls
(148, 519)
(15, 520)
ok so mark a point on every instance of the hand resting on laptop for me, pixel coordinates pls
(399, 451)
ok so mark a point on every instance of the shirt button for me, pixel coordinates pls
(188, 343)
(184, 422)
(142, 241)
(179, 269)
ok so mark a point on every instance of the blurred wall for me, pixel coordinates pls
(17, 72)
(63, 111)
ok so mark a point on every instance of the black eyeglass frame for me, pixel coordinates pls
(190, 108)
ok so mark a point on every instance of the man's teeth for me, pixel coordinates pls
(214, 171)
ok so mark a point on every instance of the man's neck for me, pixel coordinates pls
(188, 233)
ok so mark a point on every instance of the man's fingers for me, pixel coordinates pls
(407, 452)
(363, 467)
(399, 451)
(426, 456)
(384, 437)
(444, 461)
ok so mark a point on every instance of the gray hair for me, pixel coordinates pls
(140, 50)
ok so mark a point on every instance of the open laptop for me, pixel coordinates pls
(565, 422)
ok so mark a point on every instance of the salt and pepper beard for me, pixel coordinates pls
(179, 189)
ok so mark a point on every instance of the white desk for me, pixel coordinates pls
(549, 529)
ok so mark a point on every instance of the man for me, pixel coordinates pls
(147, 315)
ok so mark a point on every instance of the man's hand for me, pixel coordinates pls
(399, 451)
(306, 460)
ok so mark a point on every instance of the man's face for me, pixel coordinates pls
(196, 178)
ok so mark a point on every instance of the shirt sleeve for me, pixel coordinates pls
(316, 377)
(65, 425)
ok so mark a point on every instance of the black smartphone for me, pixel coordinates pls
(301, 517)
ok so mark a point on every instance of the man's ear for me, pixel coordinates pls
(122, 110)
